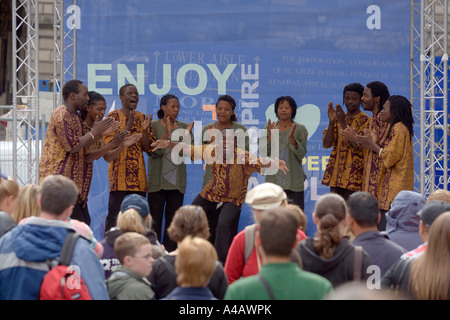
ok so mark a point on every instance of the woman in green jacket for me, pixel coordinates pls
(292, 138)
(166, 179)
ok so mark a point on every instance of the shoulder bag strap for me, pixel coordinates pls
(266, 285)
(357, 264)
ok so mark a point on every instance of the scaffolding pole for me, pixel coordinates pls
(25, 98)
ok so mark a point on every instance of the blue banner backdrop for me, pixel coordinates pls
(199, 50)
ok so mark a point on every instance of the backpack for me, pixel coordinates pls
(62, 282)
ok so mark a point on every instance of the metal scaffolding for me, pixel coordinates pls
(25, 98)
(64, 48)
(429, 91)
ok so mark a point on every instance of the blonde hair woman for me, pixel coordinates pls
(430, 277)
(28, 203)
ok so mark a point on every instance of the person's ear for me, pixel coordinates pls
(377, 101)
(315, 219)
(297, 240)
(127, 260)
(68, 212)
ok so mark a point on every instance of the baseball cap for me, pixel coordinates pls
(137, 202)
(265, 196)
(432, 210)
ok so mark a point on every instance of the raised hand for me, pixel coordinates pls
(270, 127)
(331, 112)
(187, 135)
(160, 144)
(147, 122)
(101, 126)
(340, 114)
(349, 134)
(131, 139)
(112, 128)
(368, 139)
(120, 137)
(291, 136)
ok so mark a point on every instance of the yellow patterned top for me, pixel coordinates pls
(397, 166)
(229, 181)
(127, 171)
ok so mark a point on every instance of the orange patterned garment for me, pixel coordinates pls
(63, 134)
(127, 171)
(345, 167)
(372, 160)
(97, 144)
(229, 181)
(397, 166)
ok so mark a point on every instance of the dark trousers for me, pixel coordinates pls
(382, 223)
(81, 213)
(345, 193)
(296, 197)
(223, 224)
(171, 200)
(115, 201)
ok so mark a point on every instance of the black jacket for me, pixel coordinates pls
(164, 278)
(339, 268)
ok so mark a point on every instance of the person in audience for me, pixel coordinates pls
(329, 253)
(134, 216)
(38, 240)
(243, 259)
(27, 203)
(364, 215)
(279, 277)
(430, 211)
(9, 192)
(425, 277)
(402, 221)
(128, 282)
(195, 264)
(189, 220)
(439, 194)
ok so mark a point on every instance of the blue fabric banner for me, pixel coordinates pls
(199, 50)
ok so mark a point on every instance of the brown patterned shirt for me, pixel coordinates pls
(127, 171)
(371, 159)
(63, 134)
(345, 167)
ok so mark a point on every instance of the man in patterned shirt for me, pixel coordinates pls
(127, 172)
(65, 142)
(345, 168)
